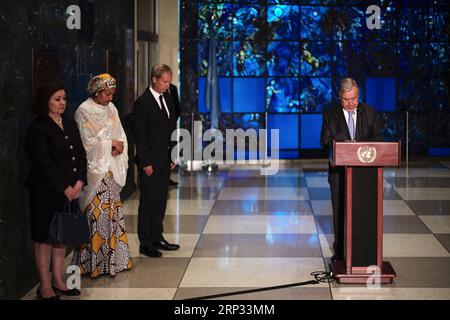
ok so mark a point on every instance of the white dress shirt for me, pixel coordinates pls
(156, 95)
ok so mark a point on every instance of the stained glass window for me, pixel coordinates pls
(315, 57)
(249, 22)
(283, 22)
(315, 94)
(316, 23)
(283, 59)
(249, 58)
(282, 95)
(215, 19)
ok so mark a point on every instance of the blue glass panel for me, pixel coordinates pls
(381, 60)
(282, 1)
(348, 23)
(388, 31)
(311, 125)
(221, 17)
(439, 3)
(439, 64)
(439, 130)
(248, 121)
(283, 22)
(224, 53)
(204, 118)
(282, 95)
(413, 74)
(315, 94)
(348, 58)
(249, 22)
(224, 91)
(288, 154)
(418, 133)
(249, 59)
(438, 24)
(288, 129)
(315, 57)
(249, 94)
(390, 127)
(282, 58)
(360, 2)
(439, 152)
(316, 23)
(317, 1)
(381, 93)
(412, 24)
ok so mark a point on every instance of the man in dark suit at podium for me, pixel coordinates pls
(348, 120)
(153, 124)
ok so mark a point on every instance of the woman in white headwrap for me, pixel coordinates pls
(106, 148)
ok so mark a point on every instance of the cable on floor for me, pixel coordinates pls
(323, 276)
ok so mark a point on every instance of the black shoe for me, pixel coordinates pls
(71, 292)
(164, 245)
(150, 252)
(336, 258)
(38, 293)
(173, 183)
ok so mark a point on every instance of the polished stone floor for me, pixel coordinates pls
(239, 230)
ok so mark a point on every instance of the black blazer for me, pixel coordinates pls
(369, 126)
(152, 131)
(58, 157)
(176, 100)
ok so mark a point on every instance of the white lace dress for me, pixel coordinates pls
(108, 251)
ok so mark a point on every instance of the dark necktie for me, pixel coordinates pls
(163, 108)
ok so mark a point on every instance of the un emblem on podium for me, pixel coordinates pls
(367, 154)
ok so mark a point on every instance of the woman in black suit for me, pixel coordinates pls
(58, 174)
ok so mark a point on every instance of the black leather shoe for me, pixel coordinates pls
(336, 258)
(150, 252)
(164, 245)
(173, 183)
(72, 292)
(38, 293)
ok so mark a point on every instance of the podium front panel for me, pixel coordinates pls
(366, 154)
(364, 217)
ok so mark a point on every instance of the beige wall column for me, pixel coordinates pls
(168, 27)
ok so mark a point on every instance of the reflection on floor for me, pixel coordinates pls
(239, 230)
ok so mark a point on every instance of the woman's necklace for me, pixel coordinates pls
(59, 121)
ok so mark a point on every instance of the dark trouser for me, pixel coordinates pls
(336, 179)
(152, 205)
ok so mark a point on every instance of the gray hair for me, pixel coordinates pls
(159, 69)
(346, 84)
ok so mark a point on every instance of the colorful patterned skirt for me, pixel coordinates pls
(108, 251)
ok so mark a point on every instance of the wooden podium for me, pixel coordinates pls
(363, 163)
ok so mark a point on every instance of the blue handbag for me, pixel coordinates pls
(69, 227)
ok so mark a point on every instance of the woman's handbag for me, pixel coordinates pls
(69, 227)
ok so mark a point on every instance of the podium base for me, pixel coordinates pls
(338, 267)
